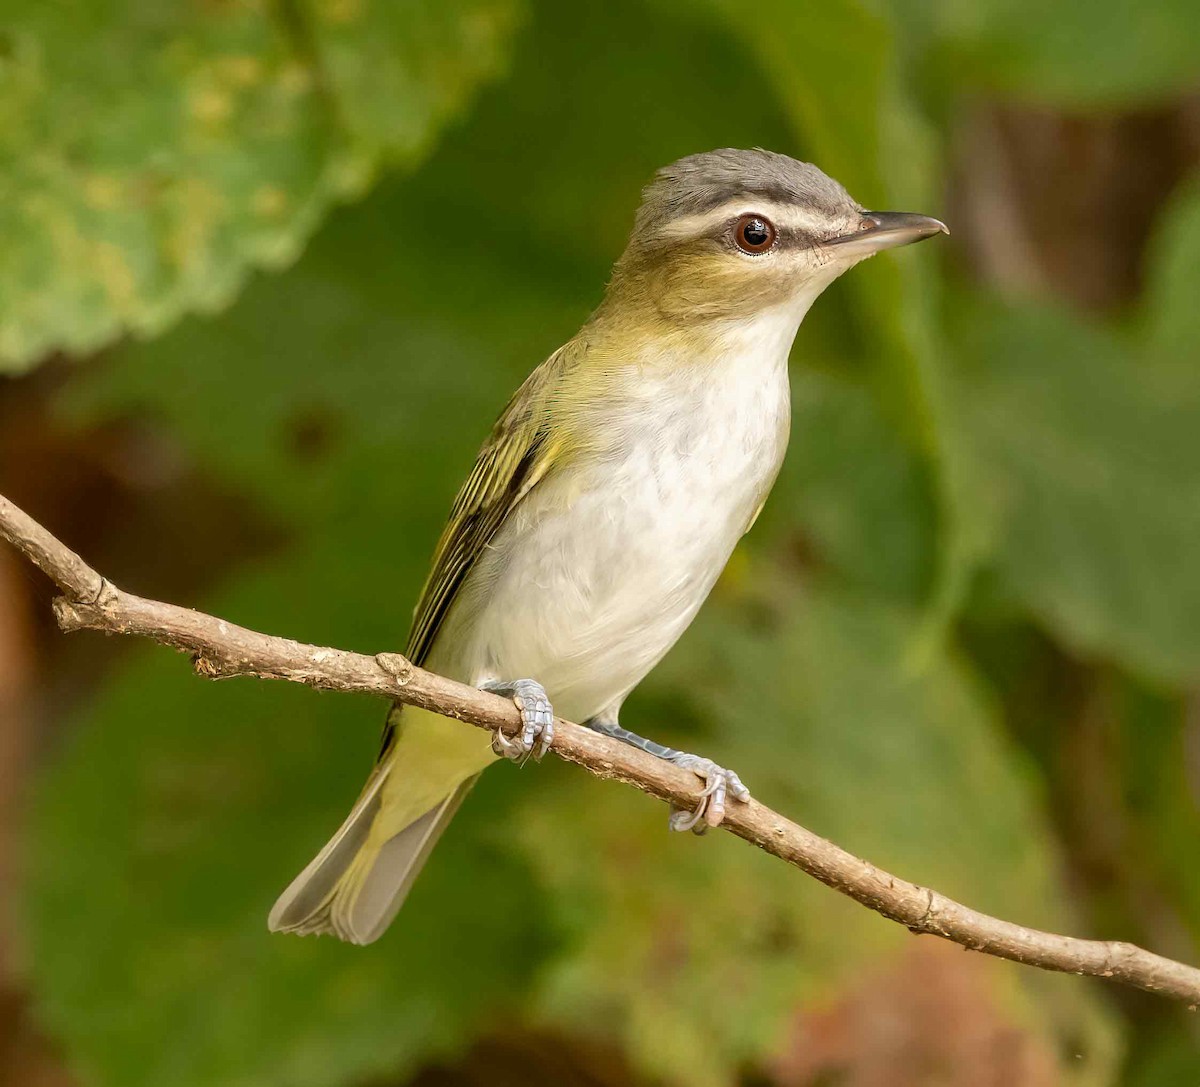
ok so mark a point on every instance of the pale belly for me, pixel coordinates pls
(595, 576)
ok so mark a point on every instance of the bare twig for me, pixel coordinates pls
(221, 649)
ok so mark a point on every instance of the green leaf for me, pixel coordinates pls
(1151, 747)
(810, 697)
(1089, 468)
(850, 482)
(835, 97)
(1169, 1058)
(152, 155)
(1089, 54)
(1170, 320)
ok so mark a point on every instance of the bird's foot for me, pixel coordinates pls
(537, 720)
(718, 784)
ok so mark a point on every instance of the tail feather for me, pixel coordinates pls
(303, 907)
(355, 885)
(376, 888)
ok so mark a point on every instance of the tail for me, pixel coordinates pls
(356, 884)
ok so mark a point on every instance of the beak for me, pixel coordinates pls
(886, 230)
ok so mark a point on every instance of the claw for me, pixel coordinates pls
(536, 733)
(719, 783)
(504, 747)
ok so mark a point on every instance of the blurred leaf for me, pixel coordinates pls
(1171, 1058)
(1171, 323)
(810, 699)
(1089, 465)
(1154, 746)
(397, 72)
(850, 482)
(153, 154)
(1073, 53)
(834, 99)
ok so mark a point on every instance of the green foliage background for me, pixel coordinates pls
(971, 479)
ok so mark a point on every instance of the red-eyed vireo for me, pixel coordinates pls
(605, 503)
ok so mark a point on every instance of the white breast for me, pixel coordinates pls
(596, 575)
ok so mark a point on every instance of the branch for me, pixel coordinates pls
(221, 650)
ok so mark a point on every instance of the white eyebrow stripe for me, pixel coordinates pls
(784, 216)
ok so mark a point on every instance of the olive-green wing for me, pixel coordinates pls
(523, 446)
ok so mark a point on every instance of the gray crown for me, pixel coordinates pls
(699, 182)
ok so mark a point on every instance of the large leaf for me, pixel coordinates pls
(853, 495)
(1090, 469)
(151, 154)
(1170, 322)
(1075, 54)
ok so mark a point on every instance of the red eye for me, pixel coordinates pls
(753, 234)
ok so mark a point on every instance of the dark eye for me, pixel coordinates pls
(753, 234)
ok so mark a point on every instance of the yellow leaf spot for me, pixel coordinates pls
(116, 276)
(199, 208)
(269, 201)
(295, 79)
(341, 11)
(210, 105)
(244, 70)
(102, 191)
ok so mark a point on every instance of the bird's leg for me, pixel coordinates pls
(537, 720)
(718, 782)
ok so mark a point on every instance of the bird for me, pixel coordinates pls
(604, 505)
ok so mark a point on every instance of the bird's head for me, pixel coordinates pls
(728, 234)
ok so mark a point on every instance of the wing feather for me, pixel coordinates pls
(525, 444)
